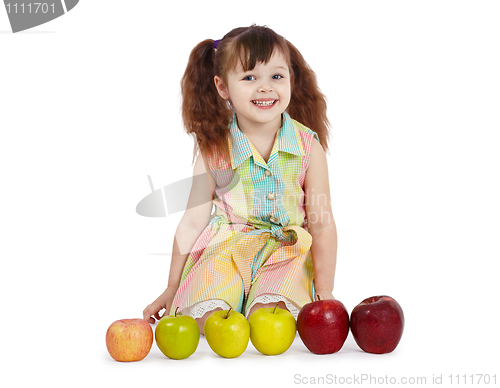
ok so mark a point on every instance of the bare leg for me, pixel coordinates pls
(281, 305)
(201, 321)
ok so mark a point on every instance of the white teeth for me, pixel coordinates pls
(264, 103)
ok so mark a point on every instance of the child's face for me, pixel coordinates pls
(258, 96)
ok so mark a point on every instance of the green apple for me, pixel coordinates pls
(272, 330)
(227, 332)
(177, 336)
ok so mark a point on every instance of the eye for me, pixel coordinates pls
(249, 78)
(277, 76)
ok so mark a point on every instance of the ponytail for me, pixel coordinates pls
(307, 103)
(205, 114)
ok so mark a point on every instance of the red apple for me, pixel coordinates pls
(129, 339)
(323, 326)
(377, 324)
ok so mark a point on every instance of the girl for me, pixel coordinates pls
(249, 100)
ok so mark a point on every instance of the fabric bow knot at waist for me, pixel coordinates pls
(254, 240)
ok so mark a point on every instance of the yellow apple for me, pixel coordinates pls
(227, 333)
(272, 330)
(129, 339)
(177, 336)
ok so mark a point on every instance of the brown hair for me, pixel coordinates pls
(207, 116)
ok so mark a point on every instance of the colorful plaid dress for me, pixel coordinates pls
(257, 240)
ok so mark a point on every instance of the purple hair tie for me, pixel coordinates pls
(216, 43)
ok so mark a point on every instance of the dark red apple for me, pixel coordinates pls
(377, 324)
(323, 326)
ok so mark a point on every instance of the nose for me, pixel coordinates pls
(265, 87)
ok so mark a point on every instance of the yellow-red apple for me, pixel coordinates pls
(129, 339)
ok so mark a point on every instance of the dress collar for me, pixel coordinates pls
(287, 140)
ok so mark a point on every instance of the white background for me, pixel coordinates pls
(89, 106)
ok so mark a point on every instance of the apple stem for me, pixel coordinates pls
(275, 307)
(227, 315)
(317, 296)
(175, 314)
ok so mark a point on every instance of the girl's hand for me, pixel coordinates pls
(164, 301)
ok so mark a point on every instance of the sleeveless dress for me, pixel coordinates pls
(256, 247)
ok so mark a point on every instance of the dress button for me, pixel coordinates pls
(273, 219)
(268, 173)
(270, 196)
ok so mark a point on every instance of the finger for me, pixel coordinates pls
(149, 312)
(146, 313)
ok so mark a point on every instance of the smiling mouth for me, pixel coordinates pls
(264, 103)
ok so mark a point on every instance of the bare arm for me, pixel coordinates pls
(192, 224)
(321, 224)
